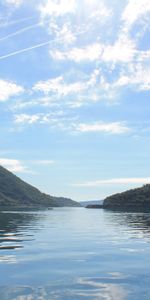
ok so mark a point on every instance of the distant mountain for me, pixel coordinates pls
(16, 192)
(132, 200)
(92, 202)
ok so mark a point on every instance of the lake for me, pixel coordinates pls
(73, 254)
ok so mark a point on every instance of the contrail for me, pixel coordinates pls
(34, 47)
(16, 22)
(25, 49)
(19, 31)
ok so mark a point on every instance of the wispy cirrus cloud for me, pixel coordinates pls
(15, 3)
(63, 92)
(38, 118)
(102, 127)
(71, 124)
(43, 162)
(69, 91)
(58, 120)
(59, 86)
(40, 102)
(114, 181)
(27, 119)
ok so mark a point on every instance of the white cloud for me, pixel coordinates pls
(41, 118)
(57, 55)
(101, 12)
(114, 181)
(111, 128)
(27, 119)
(58, 119)
(122, 51)
(138, 77)
(73, 93)
(16, 3)
(9, 89)
(55, 120)
(67, 30)
(22, 104)
(88, 53)
(59, 87)
(134, 10)
(45, 101)
(13, 165)
(57, 8)
(144, 57)
(65, 35)
(70, 123)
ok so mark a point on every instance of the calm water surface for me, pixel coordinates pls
(73, 254)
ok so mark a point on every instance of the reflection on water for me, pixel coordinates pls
(90, 288)
(11, 223)
(74, 254)
(136, 220)
(101, 288)
(135, 224)
(85, 288)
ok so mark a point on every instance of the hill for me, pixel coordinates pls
(132, 200)
(16, 192)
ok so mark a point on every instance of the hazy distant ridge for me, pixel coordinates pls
(92, 202)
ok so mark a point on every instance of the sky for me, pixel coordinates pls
(74, 95)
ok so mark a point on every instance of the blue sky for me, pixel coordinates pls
(74, 94)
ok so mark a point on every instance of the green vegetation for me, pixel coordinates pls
(16, 192)
(133, 200)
